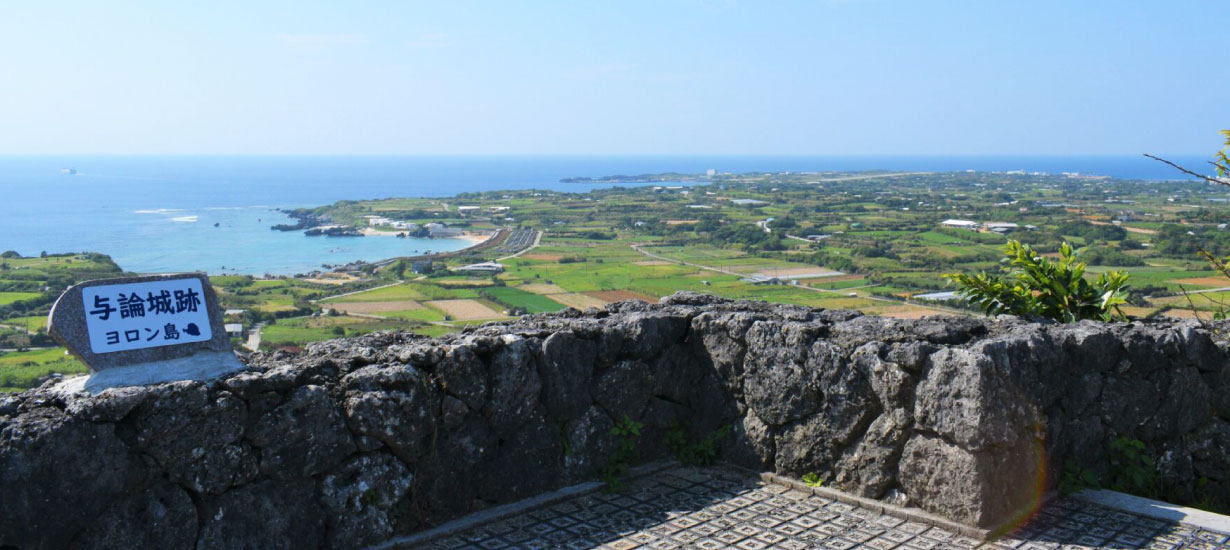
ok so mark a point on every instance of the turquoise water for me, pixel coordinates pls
(156, 214)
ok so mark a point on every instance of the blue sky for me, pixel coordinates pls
(621, 77)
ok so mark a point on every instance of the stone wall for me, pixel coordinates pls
(361, 439)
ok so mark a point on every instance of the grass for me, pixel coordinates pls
(7, 298)
(425, 314)
(393, 293)
(303, 330)
(532, 303)
(22, 370)
(32, 322)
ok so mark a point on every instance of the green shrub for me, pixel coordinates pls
(696, 452)
(627, 435)
(1037, 286)
(812, 479)
(1132, 470)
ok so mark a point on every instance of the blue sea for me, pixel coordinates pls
(158, 213)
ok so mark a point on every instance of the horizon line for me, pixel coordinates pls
(607, 155)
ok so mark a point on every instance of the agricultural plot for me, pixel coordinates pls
(542, 288)
(806, 272)
(433, 292)
(578, 300)
(302, 330)
(23, 370)
(375, 307)
(7, 298)
(465, 310)
(32, 322)
(620, 295)
(531, 303)
(402, 292)
(837, 283)
(1213, 282)
(421, 313)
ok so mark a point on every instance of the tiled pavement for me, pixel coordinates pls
(727, 508)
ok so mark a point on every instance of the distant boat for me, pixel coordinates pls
(68, 171)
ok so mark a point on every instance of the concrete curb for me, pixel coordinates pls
(1156, 509)
(502, 511)
(909, 514)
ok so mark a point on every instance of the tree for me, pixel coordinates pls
(1220, 162)
(1034, 285)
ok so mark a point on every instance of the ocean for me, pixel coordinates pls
(158, 213)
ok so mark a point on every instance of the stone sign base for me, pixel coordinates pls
(204, 365)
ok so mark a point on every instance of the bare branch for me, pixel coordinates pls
(1190, 303)
(1189, 172)
(1216, 262)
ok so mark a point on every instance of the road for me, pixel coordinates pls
(1222, 289)
(842, 292)
(254, 337)
(16, 327)
(874, 176)
(1139, 230)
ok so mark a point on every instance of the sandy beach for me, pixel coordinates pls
(473, 237)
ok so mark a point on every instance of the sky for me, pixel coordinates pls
(668, 77)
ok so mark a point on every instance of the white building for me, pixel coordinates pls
(749, 202)
(439, 232)
(961, 224)
(1002, 227)
(485, 267)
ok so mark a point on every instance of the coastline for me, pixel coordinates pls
(473, 237)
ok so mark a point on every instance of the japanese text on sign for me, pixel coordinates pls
(146, 315)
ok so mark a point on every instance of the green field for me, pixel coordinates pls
(7, 298)
(302, 330)
(22, 370)
(530, 302)
(32, 322)
(387, 294)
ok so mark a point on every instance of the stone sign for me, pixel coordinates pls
(142, 330)
(163, 312)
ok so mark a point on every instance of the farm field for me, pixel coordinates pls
(465, 310)
(578, 300)
(33, 322)
(880, 240)
(302, 330)
(22, 370)
(7, 298)
(375, 307)
(515, 297)
(399, 292)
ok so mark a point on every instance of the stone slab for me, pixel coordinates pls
(204, 365)
(1156, 509)
(67, 323)
(496, 513)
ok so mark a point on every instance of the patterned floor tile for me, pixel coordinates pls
(721, 507)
